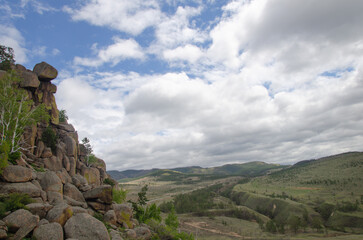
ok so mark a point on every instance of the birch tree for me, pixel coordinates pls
(16, 113)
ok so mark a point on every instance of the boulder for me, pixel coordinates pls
(29, 80)
(51, 182)
(64, 176)
(60, 213)
(47, 153)
(84, 227)
(72, 191)
(99, 206)
(15, 174)
(71, 146)
(77, 210)
(40, 149)
(143, 233)
(3, 230)
(110, 217)
(27, 187)
(102, 193)
(72, 166)
(53, 163)
(66, 127)
(21, 222)
(54, 198)
(115, 235)
(45, 71)
(130, 233)
(39, 209)
(53, 231)
(123, 214)
(74, 203)
(92, 175)
(66, 163)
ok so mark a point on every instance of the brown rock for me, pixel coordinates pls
(66, 127)
(102, 193)
(64, 176)
(21, 222)
(39, 209)
(40, 149)
(60, 213)
(53, 163)
(26, 187)
(84, 227)
(143, 233)
(72, 165)
(15, 174)
(110, 217)
(115, 235)
(54, 198)
(51, 182)
(71, 146)
(72, 191)
(123, 214)
(130, 233)
(47, 153)
(29, 80)
(92, 175)
(45, 71)
(66, 163)
(51, 231)
(99, 206)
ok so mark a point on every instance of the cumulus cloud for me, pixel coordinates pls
(11, 37)
(121, 49)
(280, 81)
(130, 16)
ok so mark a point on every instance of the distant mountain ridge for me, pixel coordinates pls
(242, 169)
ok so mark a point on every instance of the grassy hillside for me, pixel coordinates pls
(330, 187)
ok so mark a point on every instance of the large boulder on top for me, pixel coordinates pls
(45, 71)
(15, 173)
(84, 227)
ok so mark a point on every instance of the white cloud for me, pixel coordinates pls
(11, 37)
(39, 7)
(274, 85)
(122, 49)
(189, 53)
(130, 16)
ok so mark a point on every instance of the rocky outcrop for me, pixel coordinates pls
(66, 192)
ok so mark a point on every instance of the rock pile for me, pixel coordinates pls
(66, 193)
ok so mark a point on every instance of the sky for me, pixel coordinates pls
(173, 83)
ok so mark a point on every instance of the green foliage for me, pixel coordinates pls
(108, 181)
(17, 112)
(166, 207)
(325, 210)
(13, 157)
(119, 196)
(294, 223)
(90, 158)
(63, 117)
(196, 201)
(50, 138)
(4, 152)
(142, 213)
(13, 201)
(346, 206)
(172, 219)
(271, 227)
(163, 232)
(6, 57)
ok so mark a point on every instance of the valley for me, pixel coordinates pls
(318, 199)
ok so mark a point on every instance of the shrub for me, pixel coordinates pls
(119, 196)
(172, 219)
(49, 138)
(271, 227)
(109, 182)
(63, 116)
(4, 151)
(166, 207)
(13, 201)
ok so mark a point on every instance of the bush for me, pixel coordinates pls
(325, 210)
(119, 196)
(166, 207)
(63, 116)
(13, 201)
(49, 138)
(172, 219)
(109, 182)
(271, 227)
(4, 151)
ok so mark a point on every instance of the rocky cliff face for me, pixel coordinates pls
(66, 193)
